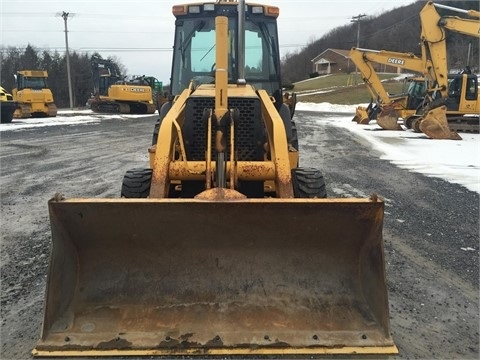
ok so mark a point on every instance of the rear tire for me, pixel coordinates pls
(136, 183)
(308, 183)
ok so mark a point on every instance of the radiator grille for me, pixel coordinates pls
(249, 131)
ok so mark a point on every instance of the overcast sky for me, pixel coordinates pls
(140, 33)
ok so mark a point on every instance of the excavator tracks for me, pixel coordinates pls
(114, 107)
(464, 124)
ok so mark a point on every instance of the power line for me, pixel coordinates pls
(86, 15)
(83, 31)
(391, 26)
(5, 49)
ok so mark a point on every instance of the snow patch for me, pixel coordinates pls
(456, 161)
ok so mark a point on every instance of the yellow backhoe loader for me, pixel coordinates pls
(224, 245)
(456, 105)
(33, 97)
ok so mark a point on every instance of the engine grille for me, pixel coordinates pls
(249, 130)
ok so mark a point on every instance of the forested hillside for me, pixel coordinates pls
(396, 30)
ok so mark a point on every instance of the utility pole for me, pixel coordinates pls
(65, 18)
(356, 19)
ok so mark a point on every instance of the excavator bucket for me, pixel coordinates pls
(387, 119)
(434, 124)
(361, 115)
(135, 277)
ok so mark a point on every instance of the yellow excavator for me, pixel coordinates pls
(159, 96)
(388, 108)
(455, 104)
(112, 94)
(33, 97)
(223, 245)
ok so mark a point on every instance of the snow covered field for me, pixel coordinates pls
(64, 117)
(454, 161)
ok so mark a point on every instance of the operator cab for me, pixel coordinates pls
(462, 89)
(35, 80)
(416, 91)
(194, 46)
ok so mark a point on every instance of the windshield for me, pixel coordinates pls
(36, 83)
(195, 51)
(417, 88)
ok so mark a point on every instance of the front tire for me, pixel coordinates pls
(136, 183)
(308, 183)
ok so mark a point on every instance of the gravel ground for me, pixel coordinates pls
(433, 284)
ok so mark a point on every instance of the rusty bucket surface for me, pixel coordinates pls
(387, 119)
(434, 124)
(184, 276)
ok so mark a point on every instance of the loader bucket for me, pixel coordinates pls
(131, 277)
(434, 124)
(387, 119)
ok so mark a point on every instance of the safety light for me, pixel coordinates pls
(179, 10)
(273, 11)
(209, 7)
(194, 9)
(257, 9)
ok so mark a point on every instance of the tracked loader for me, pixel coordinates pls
(32, 95)
(223, 245)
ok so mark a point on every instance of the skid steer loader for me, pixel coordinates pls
(224, 246)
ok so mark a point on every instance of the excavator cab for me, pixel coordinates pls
(416, 89)
(224, 246)
(462, 92)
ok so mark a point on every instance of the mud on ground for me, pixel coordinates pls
(432, 282)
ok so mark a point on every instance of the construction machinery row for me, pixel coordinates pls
(223, 244)
(112, 94)
(438, 103)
